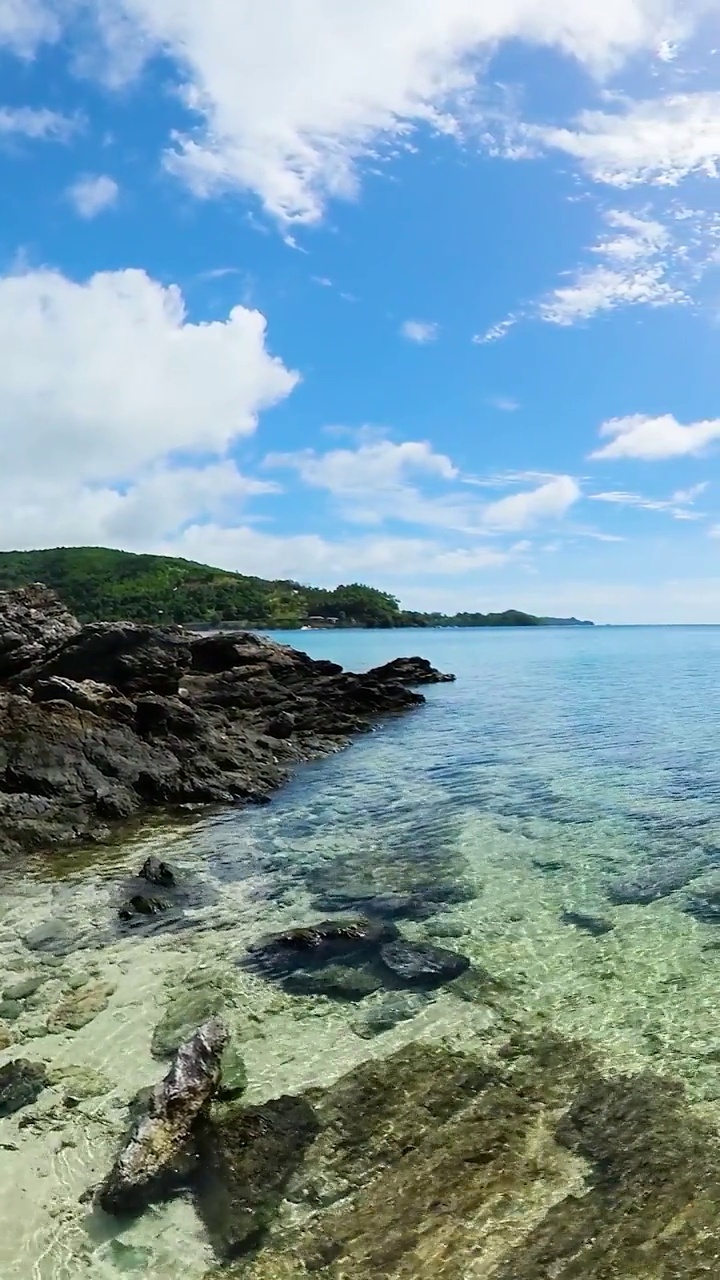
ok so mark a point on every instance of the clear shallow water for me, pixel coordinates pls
(560, 762)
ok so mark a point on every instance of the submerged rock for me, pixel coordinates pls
(80, 1083)
(330, 941)
(246, 1159)
(583, 920)
(339, 982)
(428, 1162)
(421, 964)
(25, 987)
(384, 1014)
(233, 1073)
(154, 1158)
(657, 880)
(190, 1005)
(21, 1083)
(80, 1007)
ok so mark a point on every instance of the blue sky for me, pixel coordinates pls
(420, 294)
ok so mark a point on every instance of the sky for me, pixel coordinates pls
(418, 293)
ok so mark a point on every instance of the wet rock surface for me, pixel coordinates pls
(246, 1158)
(21, 1083)
(315, 946)
(421, 964)
(105, 721)
(535, 1167)
(155, 1157)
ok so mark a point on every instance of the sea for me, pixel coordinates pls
(560, 806)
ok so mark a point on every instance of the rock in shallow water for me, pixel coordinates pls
(246, 1158)
(420, 964)
(154, 1158)
(384, 1014)
(80, 1007)
(339, 982)
(317, 945)
(595, 925)
(21, 1083)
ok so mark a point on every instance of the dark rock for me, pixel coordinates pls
(317, 945)
(142, 906)
(106, 721)
(591, 924)
(281, 726)
(159, 873)
(418, 964)
(338, 982)
(21, 1083)
(156, 1155)
(409, 671)
(657, 880)
(34, 623)
(246, 1159)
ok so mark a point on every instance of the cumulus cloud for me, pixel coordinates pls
(91, 195)
(550, 500)
(290, 96)
(420, 331)
(373, 467)
(654, 439)
(117, 413)
(381, 481)
(101, 378)
(656, 140)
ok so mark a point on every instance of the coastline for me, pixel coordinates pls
(107, 721)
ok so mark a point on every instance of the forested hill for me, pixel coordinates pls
(101, 584)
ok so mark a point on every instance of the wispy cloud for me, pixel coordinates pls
(36, 122)
(505, 404)
(420, 331)
(679, 505)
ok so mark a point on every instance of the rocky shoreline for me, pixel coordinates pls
(104, 723)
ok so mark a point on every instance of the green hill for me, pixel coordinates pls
(101, 584)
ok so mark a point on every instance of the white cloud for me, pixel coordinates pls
(291, 96)
(91, 195)
(420, 331)
(550, 500)
(658, 140)
(505, 404)
(311, 558)
(35, 122)
(102, 379)
(495, 332)
(679, 505)
(25, 23)
(372, 468)
(654, 439)
(633, 270)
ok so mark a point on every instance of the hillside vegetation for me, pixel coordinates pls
(101, 584)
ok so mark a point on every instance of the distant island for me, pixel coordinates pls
(101, 584)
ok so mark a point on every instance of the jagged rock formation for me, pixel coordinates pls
(155, 1157)
(101, 722)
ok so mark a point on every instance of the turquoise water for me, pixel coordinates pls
(562, 767)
